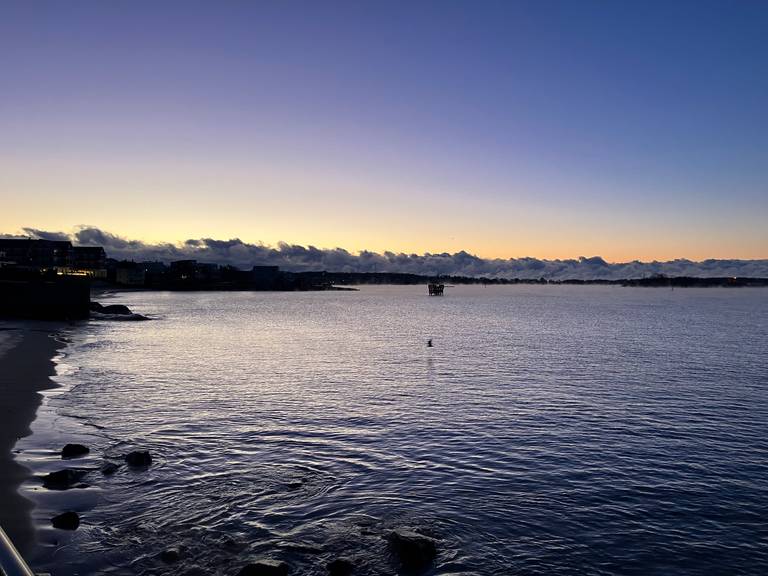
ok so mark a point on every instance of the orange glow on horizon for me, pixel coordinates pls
(547, 248)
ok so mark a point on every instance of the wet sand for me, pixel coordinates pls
(26, 364)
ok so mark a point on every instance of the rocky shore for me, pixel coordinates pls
(26, 364)
(409, 552)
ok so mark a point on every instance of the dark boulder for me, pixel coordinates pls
(62, 479)
(116, 312)
(109, 468)
(74, 451)
(413, 550)
(170, 555)
(116, 309)
(264, 568)
(138, 459)
(340, 567)
(66, 521)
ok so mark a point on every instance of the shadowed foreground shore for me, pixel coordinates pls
(26, 364)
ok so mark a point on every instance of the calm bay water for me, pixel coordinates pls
(550, 430)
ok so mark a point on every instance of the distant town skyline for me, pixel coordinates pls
(94, 235)
(298, 258)
(630, 131)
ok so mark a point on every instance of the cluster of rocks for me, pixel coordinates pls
(414, 552)
(118, 311)
(110, 309)
(71, 478)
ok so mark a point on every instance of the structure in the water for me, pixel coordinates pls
(436, 289)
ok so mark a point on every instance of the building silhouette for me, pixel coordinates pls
(57, 256)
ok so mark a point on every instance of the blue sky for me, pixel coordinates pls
(549, 129)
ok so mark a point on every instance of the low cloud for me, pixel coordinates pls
(44, 235)
(299, 258)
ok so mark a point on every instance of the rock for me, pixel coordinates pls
(138, 459)
(74, 451)
(264, 568)
(62, 479)
(340, 567)
(109, 468)
(115, 309)
(414, 551)
(66, 521)
(170, 555)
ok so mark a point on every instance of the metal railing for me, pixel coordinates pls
(11, 562)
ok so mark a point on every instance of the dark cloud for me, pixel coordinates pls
(301, 258)
(45, 235)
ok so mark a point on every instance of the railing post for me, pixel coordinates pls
(11, 562)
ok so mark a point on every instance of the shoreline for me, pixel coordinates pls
(27, 354)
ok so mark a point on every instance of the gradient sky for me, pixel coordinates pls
(548, 129)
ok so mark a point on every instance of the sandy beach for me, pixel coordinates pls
(26, 364)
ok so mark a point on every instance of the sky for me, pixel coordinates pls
(628, 130)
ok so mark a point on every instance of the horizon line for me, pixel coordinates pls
(205, 242)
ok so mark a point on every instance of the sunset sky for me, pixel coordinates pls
(547, 129)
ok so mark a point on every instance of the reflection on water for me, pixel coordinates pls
(550, 430)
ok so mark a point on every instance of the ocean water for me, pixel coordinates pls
(550, 430)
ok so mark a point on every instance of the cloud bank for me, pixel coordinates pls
(297, 258)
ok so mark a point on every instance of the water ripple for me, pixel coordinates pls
(549, 431)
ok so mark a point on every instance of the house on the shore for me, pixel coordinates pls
(91, 260)
(45, 279)
(29, 253)
(57, 256)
